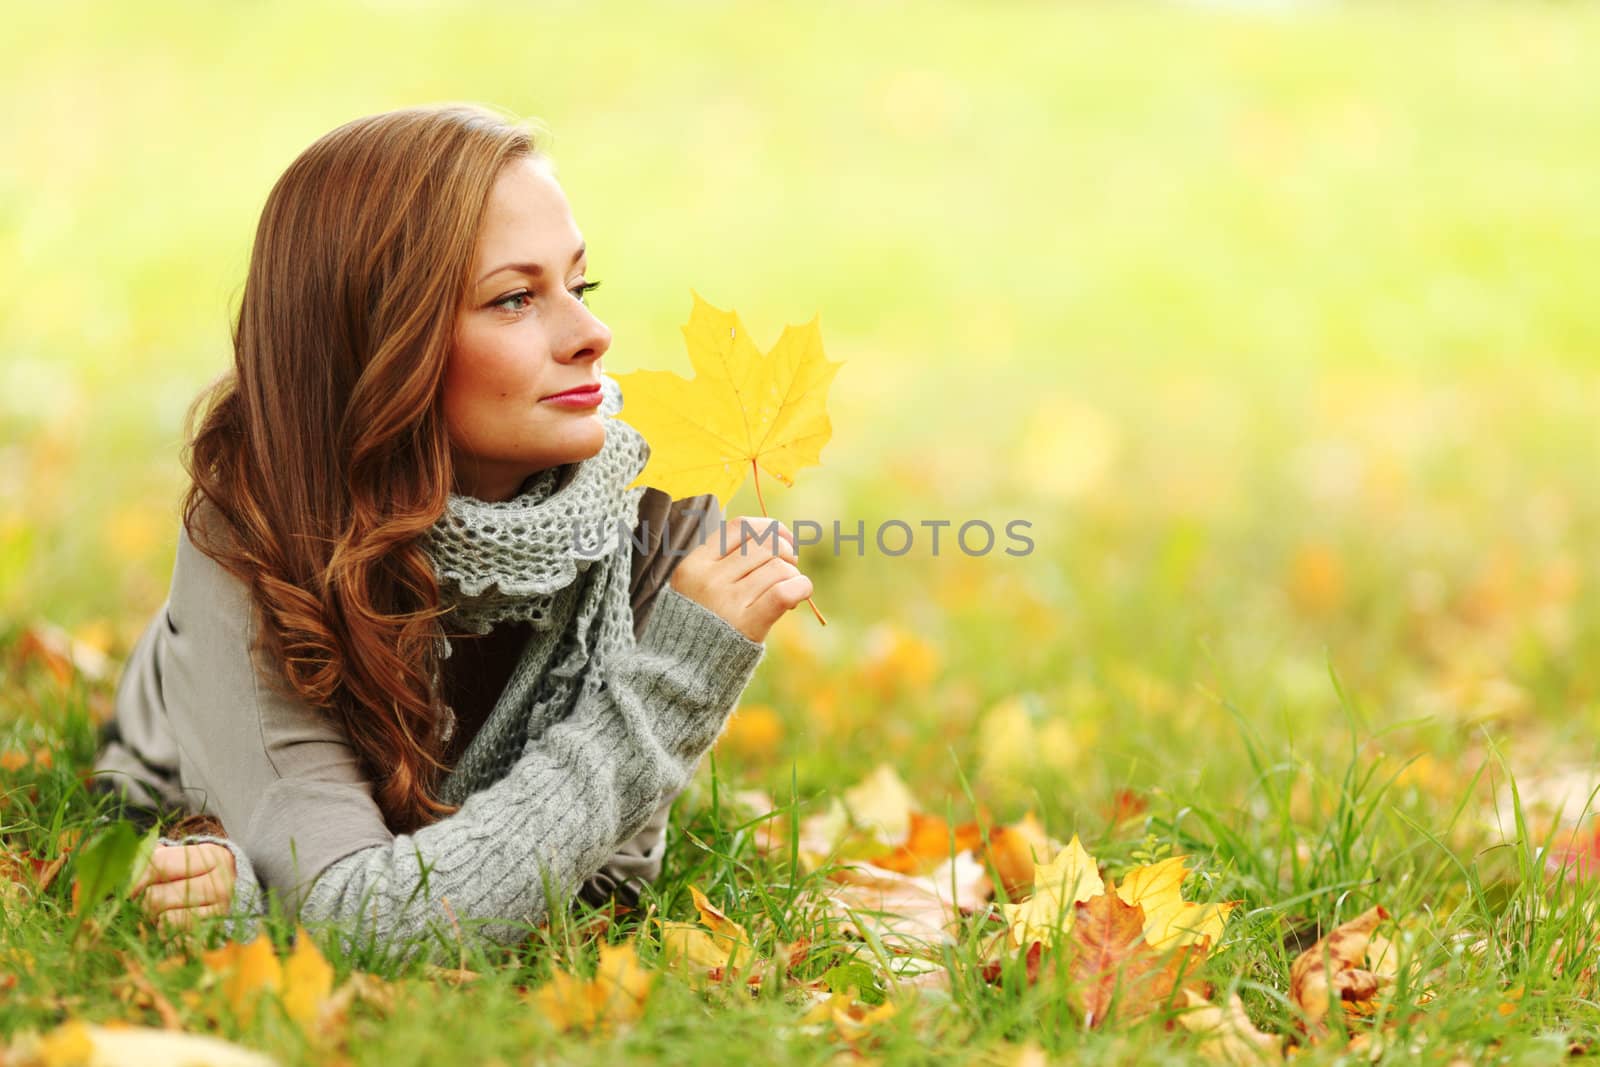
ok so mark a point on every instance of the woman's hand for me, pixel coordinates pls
(186, 882)
(748, 576)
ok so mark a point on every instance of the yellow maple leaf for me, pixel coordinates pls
(304, 982)
(1169, 920)
(716, 944)
(616, 993)
(248, 970)
(307, 981)
(1071, 878)
(743, 413)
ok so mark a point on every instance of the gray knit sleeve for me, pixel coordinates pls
(585, 784)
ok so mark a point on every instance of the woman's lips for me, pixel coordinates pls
(587, 396)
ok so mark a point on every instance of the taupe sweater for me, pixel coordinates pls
(584, 805)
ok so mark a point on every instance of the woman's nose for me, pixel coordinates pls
(590, 339)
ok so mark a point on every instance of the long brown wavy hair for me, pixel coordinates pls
(325, 450)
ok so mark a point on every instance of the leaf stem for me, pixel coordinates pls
(755, 472)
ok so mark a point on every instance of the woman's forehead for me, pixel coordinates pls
(527, 219)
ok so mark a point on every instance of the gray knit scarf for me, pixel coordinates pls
(554, 556)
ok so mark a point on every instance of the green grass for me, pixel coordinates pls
(1277, 327)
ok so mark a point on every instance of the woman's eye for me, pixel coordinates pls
(580, 290)
(505, 301)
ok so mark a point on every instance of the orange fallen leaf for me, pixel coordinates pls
(753, 732)
(929, 843)
(1014, 850)
(62, 655)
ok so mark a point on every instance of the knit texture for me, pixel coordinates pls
(593, 730)
(556, 560)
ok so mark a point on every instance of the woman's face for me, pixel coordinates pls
(523, 335)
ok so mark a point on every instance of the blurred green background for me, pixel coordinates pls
(1278, 326)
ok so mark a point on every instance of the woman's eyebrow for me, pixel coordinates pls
(532, 270)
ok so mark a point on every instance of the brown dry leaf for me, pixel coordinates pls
(1334, 966)
(1226, 1034)
(1115, 969)
(77, 1044)
(29, 872)
(615, 995)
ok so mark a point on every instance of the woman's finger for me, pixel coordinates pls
(754, 535)
(781, 596)
(213, 887)
(753, 554)
(184, 918)
(771, 572)
(170, 863)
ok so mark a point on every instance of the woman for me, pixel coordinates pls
(411, 659)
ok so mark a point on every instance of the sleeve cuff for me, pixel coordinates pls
(701, 639)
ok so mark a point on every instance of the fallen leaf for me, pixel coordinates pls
(1014, 851)
(307, 981)
(929, 843)
(1226, 1034)
(1576, 854)
(250, 970)
(78, 1044)
(1070, 879)
(247, 970)
(851, 1019)
(62, 655)
(882, 804)
(743, 412)
(1114, 969)
(1333, 967)
(1126, 805)
(709, 951)
(907, 914)
(1171, 921)
(615, 995)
